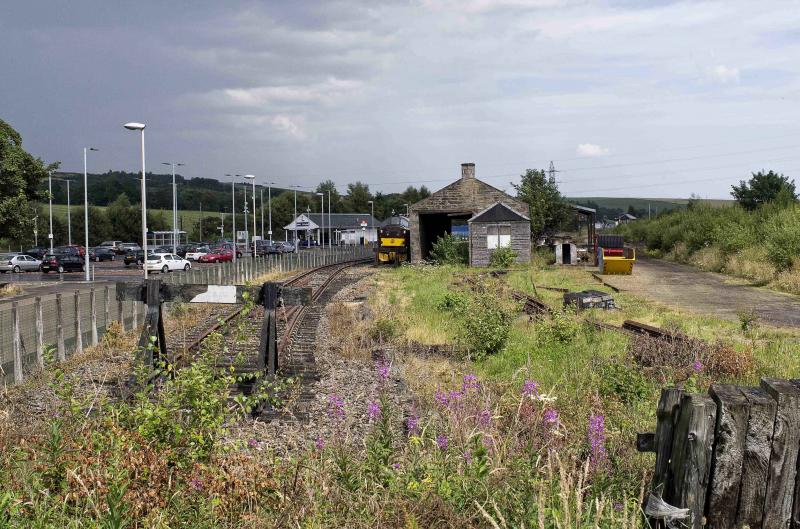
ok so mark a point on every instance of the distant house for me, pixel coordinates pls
(498, 226)
(625, 218)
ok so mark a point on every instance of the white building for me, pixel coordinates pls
(344, 228)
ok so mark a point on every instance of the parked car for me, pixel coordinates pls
(18, 262)
(134, 257)
(125, 247)
(182, 249)
(116, 246)
(196, 252)
(217, 255)
(61, 262)
(166, 262)
(72, 249)
(102, 253)
(229, 246)
(37, 252)
(285, 247)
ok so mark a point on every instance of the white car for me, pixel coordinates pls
(197, 253)
(166, 262)
(11, 262)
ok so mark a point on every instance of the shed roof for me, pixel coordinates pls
(498, 212)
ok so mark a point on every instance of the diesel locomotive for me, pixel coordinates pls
(394, 245)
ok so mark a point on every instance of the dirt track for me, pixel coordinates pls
(707, 293)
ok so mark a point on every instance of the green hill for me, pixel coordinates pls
(613, 206)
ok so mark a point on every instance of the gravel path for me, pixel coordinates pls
(706, 292)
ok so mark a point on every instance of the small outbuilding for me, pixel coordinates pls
(566, 253)
(498, 226)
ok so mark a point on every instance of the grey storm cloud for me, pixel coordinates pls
(628, 98)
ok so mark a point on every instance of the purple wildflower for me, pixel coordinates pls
(396, 466)
(441, 398)
(697, 366)
(196, 484)
(320, 444)
(484, 418)
(455, 397)
(597, 439)
(383, 367)
(470, 382)
(617, 506)
(550, 416)
(412, 423)
(468, 457)
(252, 443)
(441, 442)
(374, 411)
(336, 406)
(530, 389)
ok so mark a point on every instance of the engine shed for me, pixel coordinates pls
(450, 209)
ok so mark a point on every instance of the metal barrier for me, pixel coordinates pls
(37, 330)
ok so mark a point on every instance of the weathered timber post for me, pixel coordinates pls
(93, 308)
(757, 449)
(78, 329)
(152, 339)
(16, 343)
(268, 347)
(106, 307)
(61, 352)
(39, 333)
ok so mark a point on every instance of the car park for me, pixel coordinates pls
(61, 262)
(72, 249)
(125, 247)
(196, 252)
(166, 262)
(18, 262)
(102, 253)
(217, 255)
(116, 246)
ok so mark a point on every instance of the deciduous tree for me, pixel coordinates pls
(763, 188)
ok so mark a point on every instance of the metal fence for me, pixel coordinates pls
(36, 330)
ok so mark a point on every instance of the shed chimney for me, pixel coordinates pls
(467, 170)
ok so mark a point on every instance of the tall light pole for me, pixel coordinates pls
(253, 179)
(372, 217)
(322, 222)
(233, 210)
(50, 206)
(295, 218)
(86, 207)
(407, 213)
(269, 206)
(175, 206)
(140, 127)
(69, 216)
(330, 240)
(261, 210)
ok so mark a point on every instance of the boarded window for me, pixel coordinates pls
(498, 236)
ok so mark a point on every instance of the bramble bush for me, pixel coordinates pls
(503, 257)
(485, 326)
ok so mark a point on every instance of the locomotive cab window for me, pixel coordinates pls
(498, 236)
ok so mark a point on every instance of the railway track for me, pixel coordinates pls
(296, 328)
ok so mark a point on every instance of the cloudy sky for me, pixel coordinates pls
(628, 98)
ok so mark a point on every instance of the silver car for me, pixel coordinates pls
(14, 262)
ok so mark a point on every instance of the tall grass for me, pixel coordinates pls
(761, 245)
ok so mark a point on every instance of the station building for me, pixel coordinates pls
(469, 207)
(340, 228)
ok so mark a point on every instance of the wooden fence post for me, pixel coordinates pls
(39, 333)
(61, 350)
(93, 307)
(783, 457)
(757, 449)
(121, 313)
(78, 330)
(107, 311)
(17, 343)
(135, 314)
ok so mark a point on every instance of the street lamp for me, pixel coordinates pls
(253, 179)
(50, 206)
(372, 217)
(233, 210)
(322, 222)
(295, 217)
(140, 127)
(269, 206)
(330, 241)
(175, 206)
(86, 205)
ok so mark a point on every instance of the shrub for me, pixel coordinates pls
(561, 327)
(485, 327)
(453, 301)
(620, 381)
(782, 237)
(450, 250)
(503, 257)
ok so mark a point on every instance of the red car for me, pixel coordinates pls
(217, 255)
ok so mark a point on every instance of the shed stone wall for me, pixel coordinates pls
(520, 241)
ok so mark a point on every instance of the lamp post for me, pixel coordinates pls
(269, 206)
(50, 206)
(407, 213)
(295, 218)
(330, 241)
(175, 206)
(261, 210)
(86, 207)
(233, 211)
(140, 127)
(372, 217)
(69, 217)
(253, 179)
(322, 222)
(36, 230)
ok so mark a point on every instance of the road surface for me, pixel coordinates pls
(702, 292)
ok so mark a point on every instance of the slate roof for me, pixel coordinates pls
(339, 221)
(498, 212)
